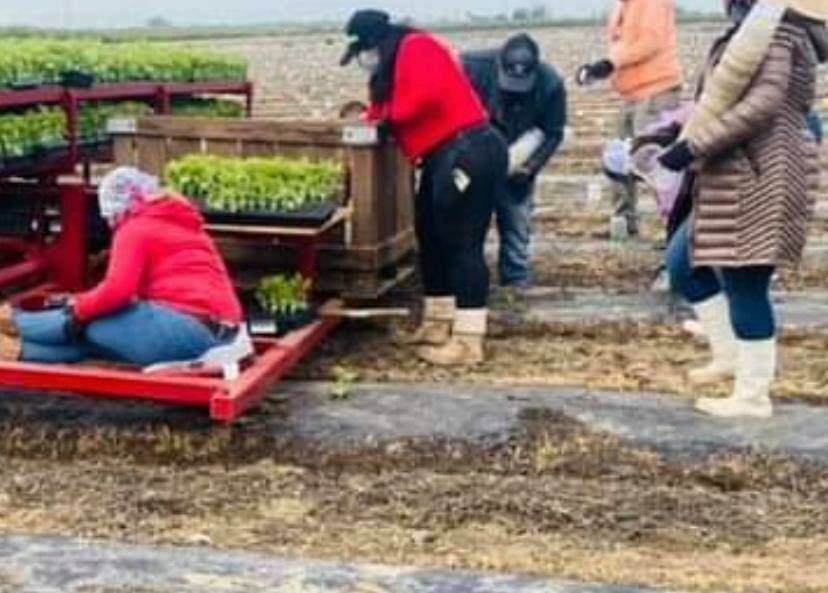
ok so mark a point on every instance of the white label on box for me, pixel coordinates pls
(360, 135)
(263, 326)
(122, 125)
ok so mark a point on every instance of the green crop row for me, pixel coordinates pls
(283, 295)
(43, 61)
(256, 184)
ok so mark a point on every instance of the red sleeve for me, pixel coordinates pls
(123, 277)
(421, 69)
(375, 112)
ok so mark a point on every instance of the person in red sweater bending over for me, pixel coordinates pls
(166, 295)
(420, 94)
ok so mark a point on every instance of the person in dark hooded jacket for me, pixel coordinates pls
(526, 100)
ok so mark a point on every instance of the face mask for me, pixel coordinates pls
(369, 60)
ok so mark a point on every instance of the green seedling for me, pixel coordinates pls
(345, 379)
(255, 185)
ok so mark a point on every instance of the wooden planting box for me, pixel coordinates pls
(362, 260)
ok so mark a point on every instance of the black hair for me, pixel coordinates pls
(382, 81)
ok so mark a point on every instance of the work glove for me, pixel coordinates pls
(521, 176)
(589, 73)
(678, 157)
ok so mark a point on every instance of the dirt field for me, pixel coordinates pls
(557, 499)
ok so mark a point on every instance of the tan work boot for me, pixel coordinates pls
(755, 371)
(10, 348)
(7, 325)
(466, 344)
(714, 318)
(435, 328)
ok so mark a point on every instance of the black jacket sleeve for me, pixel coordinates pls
(480, 69)
(552, 121)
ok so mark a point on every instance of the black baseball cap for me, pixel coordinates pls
(366, 28)
(518, 62)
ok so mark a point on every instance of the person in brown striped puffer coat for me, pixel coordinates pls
(756, 167)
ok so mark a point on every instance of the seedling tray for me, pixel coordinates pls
(261, 323)
(310, 216)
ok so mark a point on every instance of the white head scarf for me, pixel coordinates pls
(123, 188)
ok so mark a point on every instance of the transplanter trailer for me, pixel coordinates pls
(53, 247)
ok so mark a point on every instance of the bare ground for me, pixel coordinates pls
(626, 356)
(558, 501)
(621, 269)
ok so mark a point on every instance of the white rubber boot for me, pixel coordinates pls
(466, 344)
(714, 317)
(755, 371)
(435, 328)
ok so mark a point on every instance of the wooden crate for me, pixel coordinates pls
(365, 258)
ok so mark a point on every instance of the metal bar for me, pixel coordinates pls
(18, 273)
(33, 298)
(306, 258)
(21, 246)
(70, 105)
(26, 98)
(67, 256)
(249, 97)
(163, 100)
(186, 88)
(272, 365)
(189, 391)
(115, 91)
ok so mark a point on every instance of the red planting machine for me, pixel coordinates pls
(49, 243)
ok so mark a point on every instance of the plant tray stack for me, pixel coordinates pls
(362, 260)
(259, 191)
(56, 96)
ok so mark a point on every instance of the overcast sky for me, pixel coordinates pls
(122, 13)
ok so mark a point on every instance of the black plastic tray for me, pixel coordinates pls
(260, 323)
(311, 216)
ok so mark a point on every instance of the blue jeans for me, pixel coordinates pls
(513, 209)
(141, 334)
(747, 289)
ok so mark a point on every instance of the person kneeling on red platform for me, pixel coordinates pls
(420, 94)
(166, 296)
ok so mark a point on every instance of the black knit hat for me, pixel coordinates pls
(367, 28)
(518, 64)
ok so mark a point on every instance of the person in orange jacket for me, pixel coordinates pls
(645, 69)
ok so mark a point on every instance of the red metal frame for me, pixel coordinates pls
(64, 264)
(61, 265)
(226, 400)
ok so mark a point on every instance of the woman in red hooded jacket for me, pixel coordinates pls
(420, 94)
(166, 295)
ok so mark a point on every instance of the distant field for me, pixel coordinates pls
(176, 33)
(298, 76)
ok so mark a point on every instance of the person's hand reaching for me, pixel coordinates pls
(589, 73)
